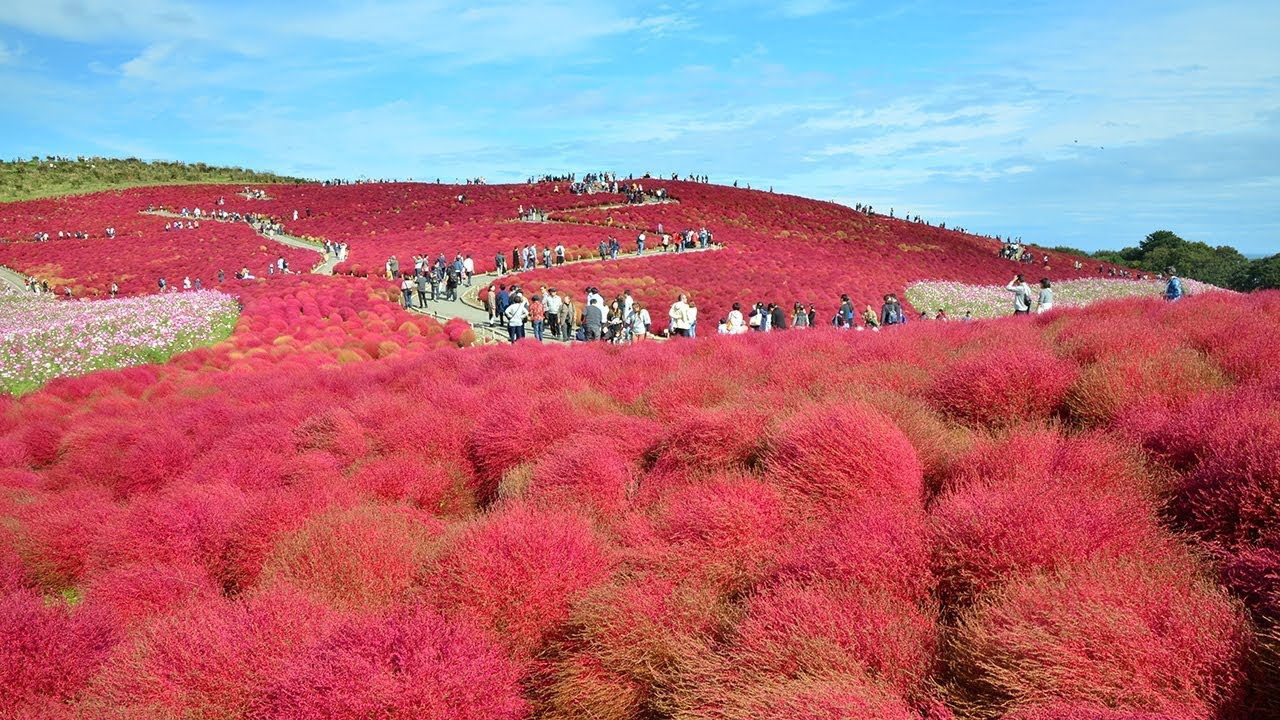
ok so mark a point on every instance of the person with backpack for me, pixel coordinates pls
(1021, 295)
(846, 311)
(1173, 288)
(890, 312)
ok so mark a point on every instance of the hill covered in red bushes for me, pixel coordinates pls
(339, 513)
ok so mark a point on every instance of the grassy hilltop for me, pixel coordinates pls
(37, 178)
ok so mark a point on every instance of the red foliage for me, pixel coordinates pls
(1232, 494)
(1034, 503)
(515, 571)
(216, 659)
(877, 547)
(836, 630)
(411, 664)
(999, 389)
(1067, 711)
(137, 593)
(336, 512)
(837, 459)
(47, 652)
(358, 559)
(1144, 636)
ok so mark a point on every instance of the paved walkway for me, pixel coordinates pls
(13, 278)
(469, 307)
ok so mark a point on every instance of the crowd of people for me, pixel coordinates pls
(554, 313)
(442, 278)
(549, 311)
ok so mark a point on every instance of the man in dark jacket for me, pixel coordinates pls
(777, 318)
(592, 320)
(890, 312)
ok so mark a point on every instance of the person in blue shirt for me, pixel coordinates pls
(1173, 289)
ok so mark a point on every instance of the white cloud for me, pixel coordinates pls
(152, 65)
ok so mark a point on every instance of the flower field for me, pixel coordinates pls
(989, 301)
(42, 338)
(338, 512)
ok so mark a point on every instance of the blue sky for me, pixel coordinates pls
(1084, 123)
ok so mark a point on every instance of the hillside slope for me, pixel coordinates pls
(51, 177)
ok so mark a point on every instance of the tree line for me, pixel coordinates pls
(1223, 266)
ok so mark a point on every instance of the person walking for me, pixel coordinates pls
(406, 289)
(554, 303)
(568, 315)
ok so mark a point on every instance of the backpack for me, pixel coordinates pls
(755, 318)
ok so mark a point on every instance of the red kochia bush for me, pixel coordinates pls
(362, 558)
(1232, 495)
(884, 548)
(1167, 379)
(1084, 711)
(214, 660)
(516, 571)
(47, 652)
(1254, 574)
(1002, 388)
(513, 429)
(56, 534)
(724, 532)
(833, 629)
(585, 470)
(993, 532)
(413, 664)
(136, 593)
(810, 697)
(841, 457)
(431, 486)
(1132, 635)
(632, 648)
(1035, 502)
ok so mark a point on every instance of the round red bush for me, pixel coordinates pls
(1003, 388)
(516, 571)
(1148, 636)
(47, 652)
(361, 558)
(414, 664)
(840, 458)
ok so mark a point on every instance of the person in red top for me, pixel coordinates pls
(537, 316)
